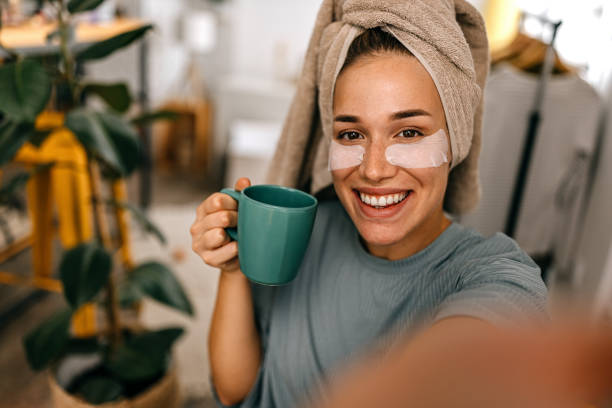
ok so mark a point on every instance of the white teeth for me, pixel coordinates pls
(382, 201)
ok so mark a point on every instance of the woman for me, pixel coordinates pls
(384, 260)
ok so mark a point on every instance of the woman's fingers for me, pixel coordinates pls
(221, 256)
(219, 219)
(208, 236)
(220, 201)
(214, 238)
(216, 202)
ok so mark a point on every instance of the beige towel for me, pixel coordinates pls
(447, 36)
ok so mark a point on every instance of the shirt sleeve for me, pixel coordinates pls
(505, 290)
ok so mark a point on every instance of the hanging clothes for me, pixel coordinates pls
(570, 115)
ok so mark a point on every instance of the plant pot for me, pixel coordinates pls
(163, 394)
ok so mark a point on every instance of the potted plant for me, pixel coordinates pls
(120, 365)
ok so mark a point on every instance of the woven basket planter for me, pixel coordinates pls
(163, 394)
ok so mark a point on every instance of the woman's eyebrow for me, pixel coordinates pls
(394, 116)
(409, 114)
(346, 118)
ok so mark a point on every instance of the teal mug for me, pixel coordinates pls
(274, 227)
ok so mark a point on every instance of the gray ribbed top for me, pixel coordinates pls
(346, 301)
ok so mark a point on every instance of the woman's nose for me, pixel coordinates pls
(375, 166)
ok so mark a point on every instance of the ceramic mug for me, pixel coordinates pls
(274, 227)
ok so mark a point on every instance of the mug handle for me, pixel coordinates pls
(232, 232)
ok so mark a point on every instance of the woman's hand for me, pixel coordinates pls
(208, 236)
(233, 342)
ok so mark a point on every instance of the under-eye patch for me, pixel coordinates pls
(344, 157)
(430, 151)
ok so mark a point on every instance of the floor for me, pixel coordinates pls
(173, 209)
(20, 387)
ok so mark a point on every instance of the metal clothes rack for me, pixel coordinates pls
(532, 125)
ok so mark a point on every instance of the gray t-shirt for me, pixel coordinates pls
(345, 302)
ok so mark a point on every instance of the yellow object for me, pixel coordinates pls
(84, 321)
(66, 182)
(67, 185)
(501, 19)
(123, 223)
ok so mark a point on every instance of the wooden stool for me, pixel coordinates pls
(191, 131)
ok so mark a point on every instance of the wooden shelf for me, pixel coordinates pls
(30, 38)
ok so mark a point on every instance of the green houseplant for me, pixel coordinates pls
(128, 360)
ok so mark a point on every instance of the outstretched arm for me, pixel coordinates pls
(465, 362)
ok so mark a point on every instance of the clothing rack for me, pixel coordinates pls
(532, 124)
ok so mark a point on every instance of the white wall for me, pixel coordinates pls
(269, 31)
(263, 39)
(168, 57)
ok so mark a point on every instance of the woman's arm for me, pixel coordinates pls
(465, 362)
(233, 343)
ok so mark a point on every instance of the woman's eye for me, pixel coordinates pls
(350, 135)
(410, 133)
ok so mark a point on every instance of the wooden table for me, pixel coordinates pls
(31, 38)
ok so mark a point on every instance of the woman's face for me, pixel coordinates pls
(381, 100)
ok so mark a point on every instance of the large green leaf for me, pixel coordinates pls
(46, 342)
(104, 48)
(141, 217)
(84, 270)
(158, 282)
(38, 136)
(117, 96)
(26, 88)
(98, 389)
(107, 137)
(128, 295)
(12, 136)
(83, 345)
(143, 356)
(154, 116)
(78, 6)
(124, 138)
(92, 135)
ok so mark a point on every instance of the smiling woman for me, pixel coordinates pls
(396, 104)
(395, 139)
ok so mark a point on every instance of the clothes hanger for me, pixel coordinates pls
(519, 42)
(531, 59)
(528, 54)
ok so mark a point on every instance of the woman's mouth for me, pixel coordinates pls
(382, 201)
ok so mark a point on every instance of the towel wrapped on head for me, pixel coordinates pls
(447, 37)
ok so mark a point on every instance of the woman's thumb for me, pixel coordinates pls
(242, 183)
